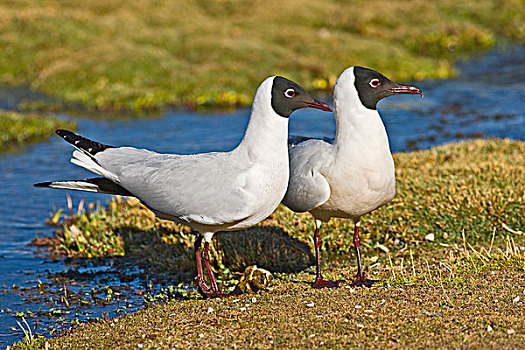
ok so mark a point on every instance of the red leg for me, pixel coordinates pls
(204, 290)
(360, 279)
(214, 292)
(211, 276)
(320, 282)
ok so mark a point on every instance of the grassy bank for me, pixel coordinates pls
(148, 54)
(449, 251)
(476, 312)
(18, 129)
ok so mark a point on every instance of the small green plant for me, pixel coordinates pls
(18, 129)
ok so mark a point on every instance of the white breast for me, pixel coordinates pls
(361, 176)
(359, 185)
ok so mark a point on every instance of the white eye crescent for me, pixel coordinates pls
(289, 93)
(374, 83)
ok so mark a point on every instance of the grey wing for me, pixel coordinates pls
(307, 187)
(295, 140)
(208, 188)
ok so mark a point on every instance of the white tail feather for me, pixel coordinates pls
(83, 160)
(75, 185)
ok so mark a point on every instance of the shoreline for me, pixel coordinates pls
(444, 262)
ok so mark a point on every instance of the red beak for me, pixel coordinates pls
(319, 105)
(406, 89)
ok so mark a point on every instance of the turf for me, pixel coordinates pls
(449, 252)
(149, 54)
(478, 313)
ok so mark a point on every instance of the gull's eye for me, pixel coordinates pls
(374, 83)
(289, 93)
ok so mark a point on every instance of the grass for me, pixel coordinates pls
(149, 54)
(17, 129)
(452, 303)
(482, 197)
(461, 288)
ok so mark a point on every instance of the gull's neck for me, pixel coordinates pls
(358, 128)
(266, 135)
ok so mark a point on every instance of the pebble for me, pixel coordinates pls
(358, 306)
(430, 237)
(510, 331)
(210, 310)
(359, 325)
(516, 299)
(489, 328)
(310, 305)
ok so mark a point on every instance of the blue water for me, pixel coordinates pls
(487, 100)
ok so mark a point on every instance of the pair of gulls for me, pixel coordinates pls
(226, 191)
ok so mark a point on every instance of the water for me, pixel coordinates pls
(488, 100)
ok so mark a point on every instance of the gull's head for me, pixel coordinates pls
(371, 86)
(287, 96)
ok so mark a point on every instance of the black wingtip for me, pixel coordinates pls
(42, 184)
(86, 145)
(63, 132)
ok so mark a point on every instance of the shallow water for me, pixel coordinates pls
(487, 100)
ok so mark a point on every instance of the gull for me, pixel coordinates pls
(209, 192)
(353, 175)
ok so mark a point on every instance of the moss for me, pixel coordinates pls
(152, 54)
(17, 129)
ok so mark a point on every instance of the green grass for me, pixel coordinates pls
(150, 54)
(18, 129)
(482, 198)
(445, 306)
(462, 289)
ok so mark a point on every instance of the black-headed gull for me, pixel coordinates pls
(353, 175)
(210, 192)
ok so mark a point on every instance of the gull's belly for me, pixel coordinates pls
(357, 192)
